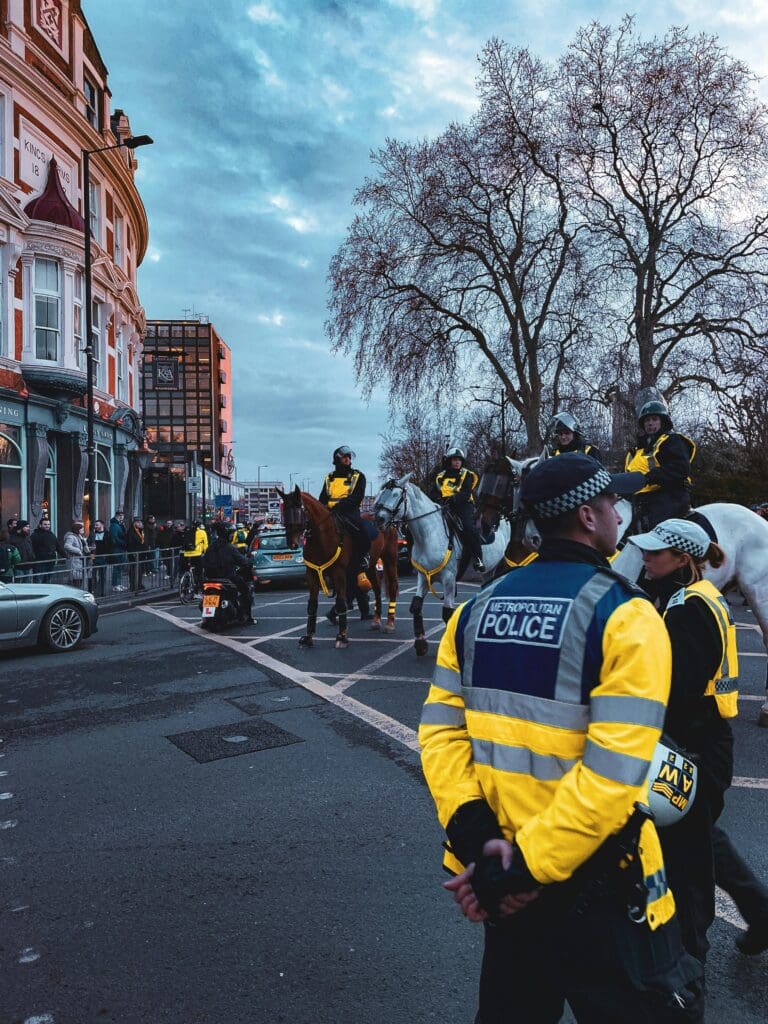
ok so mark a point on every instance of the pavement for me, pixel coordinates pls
(199, 829)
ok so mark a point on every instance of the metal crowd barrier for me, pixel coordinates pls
(110, 577)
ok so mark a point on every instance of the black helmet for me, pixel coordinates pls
(655, 407)
(340, 452)
(564, 421)
(222, 531)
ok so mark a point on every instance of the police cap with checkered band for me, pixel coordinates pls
(560, 484)
(680, 534)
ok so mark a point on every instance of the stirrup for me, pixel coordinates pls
(478, 565)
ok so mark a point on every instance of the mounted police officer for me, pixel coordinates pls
(343, 492)
(537, 736)
(665, 457)
(453, 487)
(566, 431)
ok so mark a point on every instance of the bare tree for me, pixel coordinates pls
(667, 149)
(463, 261)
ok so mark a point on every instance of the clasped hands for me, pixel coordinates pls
(466, 897)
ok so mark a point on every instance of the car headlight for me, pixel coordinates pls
(86, 596)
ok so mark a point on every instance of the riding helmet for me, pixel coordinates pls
(655, 407)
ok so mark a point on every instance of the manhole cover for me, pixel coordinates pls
(232, 740)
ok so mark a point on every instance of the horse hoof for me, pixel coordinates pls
(421, 646)
(390, 627)
(376, 624)
(305, 641)
(762, 718)
(341, 643)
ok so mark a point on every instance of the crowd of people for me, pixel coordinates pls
(123, 554)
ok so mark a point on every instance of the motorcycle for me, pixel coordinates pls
(222, 606)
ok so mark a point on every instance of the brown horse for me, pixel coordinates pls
(328, 552)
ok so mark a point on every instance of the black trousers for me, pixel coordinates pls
(608, 968)
(652, 509)
(465, 513)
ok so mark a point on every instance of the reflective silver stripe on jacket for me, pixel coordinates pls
(571, 661)
(544, 767)
(655, 885)
(436, 713)
(630, 710)
(623, 768)
(531, 709)
(447, 679)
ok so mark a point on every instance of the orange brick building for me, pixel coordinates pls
(55, 102)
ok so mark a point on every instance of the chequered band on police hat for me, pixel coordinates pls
(676, 540)
(579, 495)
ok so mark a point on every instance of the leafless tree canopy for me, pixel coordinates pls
(598, 227)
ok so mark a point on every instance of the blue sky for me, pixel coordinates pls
(264, 113)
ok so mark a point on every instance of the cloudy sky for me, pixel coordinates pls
(264, 115)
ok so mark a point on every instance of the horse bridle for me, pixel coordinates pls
(403, 500)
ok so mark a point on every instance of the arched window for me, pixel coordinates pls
(49, 489)
(10, 475)
(103, 483)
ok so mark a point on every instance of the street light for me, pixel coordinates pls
(132, 142)
(501, 406)
(291, 475)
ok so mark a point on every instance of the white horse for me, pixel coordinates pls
(434, 555)
(743, 536)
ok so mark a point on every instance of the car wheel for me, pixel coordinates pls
(63, 628)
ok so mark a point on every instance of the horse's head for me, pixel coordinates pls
(390, 503)
(294, 516)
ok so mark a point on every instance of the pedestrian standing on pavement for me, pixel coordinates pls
(165, 543)
(101, 545)
(137, 548)
(119, 538)
(23, 543)
(703, 697)
(47, 550)
(537, 737)
(78, 554)
(151, 535)
(9, 557)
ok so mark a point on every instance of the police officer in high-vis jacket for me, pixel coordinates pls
(454, 486)
(537, 735)
(566, 433)
(343, 491)
(665, 457)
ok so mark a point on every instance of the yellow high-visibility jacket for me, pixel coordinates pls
(547, 702)
(340, 487)
(450, 482)
(724, 684)
(201, 544)
(642, 460)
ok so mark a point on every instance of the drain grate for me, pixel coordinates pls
(231, 740)
(266, 703)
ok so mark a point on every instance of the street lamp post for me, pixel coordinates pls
(264, 465)
(501, 406)
(291, 475)
(133, 142)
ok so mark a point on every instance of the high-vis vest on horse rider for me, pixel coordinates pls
(339, 487)
(450, 484)
(548, 696)
(724, 684)
(587, 449)
(643, 461)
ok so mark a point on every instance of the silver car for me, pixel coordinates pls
(55, 616)
(273, 560)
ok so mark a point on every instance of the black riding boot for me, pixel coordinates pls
(364, 604)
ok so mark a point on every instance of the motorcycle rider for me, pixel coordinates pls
(222, 561)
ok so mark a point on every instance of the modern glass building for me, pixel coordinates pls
(187, 407)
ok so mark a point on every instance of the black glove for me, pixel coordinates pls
(491, 883)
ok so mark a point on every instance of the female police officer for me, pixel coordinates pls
(703, 698)
(537, 734)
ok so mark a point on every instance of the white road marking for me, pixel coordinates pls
(41, 1018)
(727, 910)
(753, 654)
(746, 783)
(351, 679)
(6, 796)
(752, 696)
(365, 675)
(395, 730)
(275, 636)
